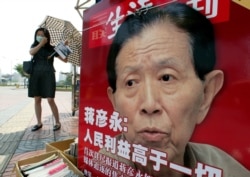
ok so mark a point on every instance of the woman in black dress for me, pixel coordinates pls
(42, 82)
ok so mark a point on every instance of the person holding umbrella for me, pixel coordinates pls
(42, 82)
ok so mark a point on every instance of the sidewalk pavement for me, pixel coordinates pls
(17, 117)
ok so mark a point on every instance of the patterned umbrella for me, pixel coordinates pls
(61, 30)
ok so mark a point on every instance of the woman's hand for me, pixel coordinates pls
(66, 42)
(65, 60)
(44, 41)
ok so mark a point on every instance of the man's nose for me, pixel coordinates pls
(150, 100)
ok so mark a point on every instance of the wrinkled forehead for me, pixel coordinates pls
(159, 37)
(157, 45)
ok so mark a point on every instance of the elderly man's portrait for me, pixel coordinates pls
(162, 78)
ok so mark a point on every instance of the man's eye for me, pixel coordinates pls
(130, 83)
(166, 77)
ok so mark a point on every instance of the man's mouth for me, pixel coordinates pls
(153, 134)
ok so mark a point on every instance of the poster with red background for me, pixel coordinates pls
(227, 123)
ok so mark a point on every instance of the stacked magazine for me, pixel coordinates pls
(73, 148)
(53, 166)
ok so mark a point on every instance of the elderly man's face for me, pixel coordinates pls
(158, 90)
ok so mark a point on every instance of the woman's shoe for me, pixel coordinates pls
(56, 127)
(36, 127)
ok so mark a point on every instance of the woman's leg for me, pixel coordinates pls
(38, 109)
(54, 110)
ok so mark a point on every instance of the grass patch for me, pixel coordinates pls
(64, 88)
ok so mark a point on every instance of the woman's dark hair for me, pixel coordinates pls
(46, 34)
(197, 26)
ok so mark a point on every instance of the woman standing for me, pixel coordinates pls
(42, 82)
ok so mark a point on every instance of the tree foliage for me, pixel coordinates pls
(19, 69)
(68, 80)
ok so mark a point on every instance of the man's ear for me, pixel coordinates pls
(212, 85)
(111, 96)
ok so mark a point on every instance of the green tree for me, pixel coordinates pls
(68, 80)
(19, 69)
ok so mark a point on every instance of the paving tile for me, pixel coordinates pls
(15, 136)
(8, 147)
(3, 165)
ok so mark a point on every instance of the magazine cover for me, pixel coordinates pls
(165, 89)
(63, 50)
